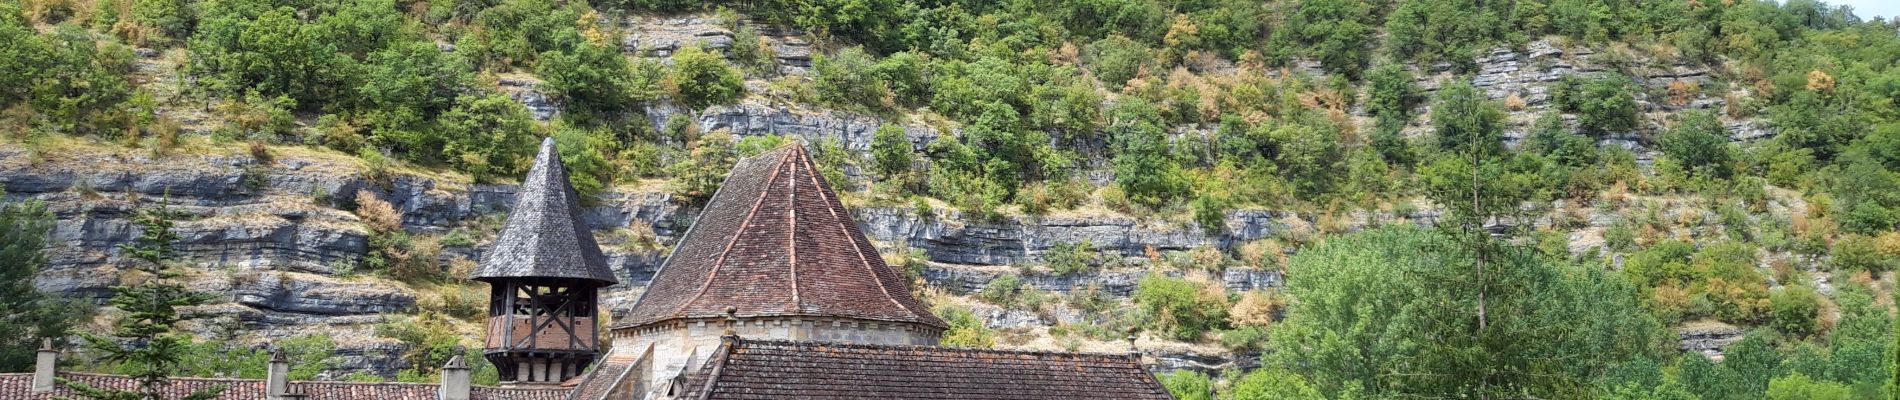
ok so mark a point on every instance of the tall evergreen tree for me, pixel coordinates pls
(25, 313)
(146, 340)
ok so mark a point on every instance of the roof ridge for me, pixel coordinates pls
(718, 368)
(815, 343)
(255, 380)
(778, 368)
(791, 234)
(180, 378)
(713, 275)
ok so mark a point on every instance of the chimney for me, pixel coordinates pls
(277, 376)
(454, 380)
(44, 367)
(1133, 334)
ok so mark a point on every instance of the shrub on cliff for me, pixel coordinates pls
(1182, 309)
(1700, 144)
(1795, 311)
(702, 78)
(1604, 103)
(966, 330)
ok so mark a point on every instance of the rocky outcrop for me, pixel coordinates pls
(1525, 77)
(1749, 131)
(1505, 72)
(789, 48)
(660, 36)
(1022, 240)
(1212, 364)
(757, 118)
(311, 294)
(1708, 340)
(1117, 282)
(527, 91)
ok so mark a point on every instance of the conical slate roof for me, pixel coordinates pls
(775, 241)
(544, 236)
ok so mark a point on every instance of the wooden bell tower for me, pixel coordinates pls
(544, 274)
(542, 330)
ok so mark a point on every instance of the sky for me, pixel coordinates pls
(1867, 9)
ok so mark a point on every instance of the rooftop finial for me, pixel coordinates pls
(456, 362)
(547, 154)
(732, 317)
(1131, 341)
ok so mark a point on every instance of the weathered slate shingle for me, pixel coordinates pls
(764, 369)
(775, 241)
(544, 236)
(19, 387)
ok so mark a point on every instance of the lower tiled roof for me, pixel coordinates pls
(20, 386)
(604, 378)
(764, 369)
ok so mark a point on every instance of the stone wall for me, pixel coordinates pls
(683, 344)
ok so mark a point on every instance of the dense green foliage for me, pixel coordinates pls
(78, 85)
(309, 355)
(430, 342)
(965, 329)
(1365, 299)
(1699, 143)
(1272, 384)
(1782, 162)
(1034, 84)
(1183, 309)
(1187, 385)
(703, 78)
(1603, 104)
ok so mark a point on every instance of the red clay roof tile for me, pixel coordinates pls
(20, 386)
(775, 241)
(765, 369)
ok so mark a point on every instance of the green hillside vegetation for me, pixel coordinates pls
(1198, 107)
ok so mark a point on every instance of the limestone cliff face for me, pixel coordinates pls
(276, 239)
(1528, 76)
(273, 239)
(289, 216)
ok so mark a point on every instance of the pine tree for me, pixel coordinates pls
(145, 339)
(24, 310)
